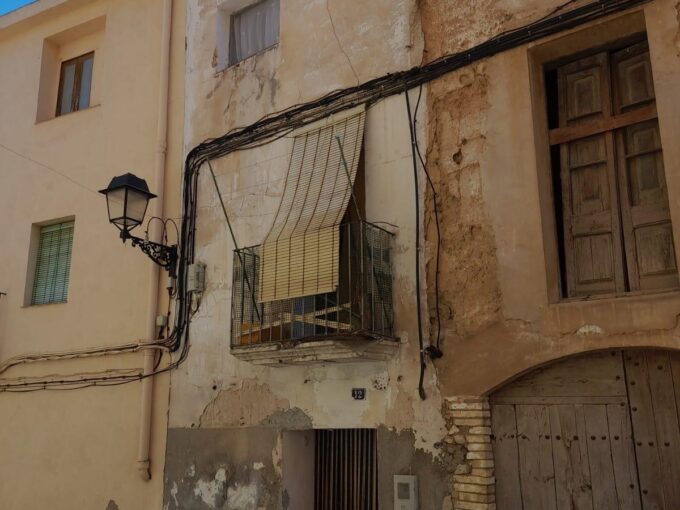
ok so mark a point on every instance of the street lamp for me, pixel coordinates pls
(127, 197)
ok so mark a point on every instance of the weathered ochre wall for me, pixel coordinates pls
(487, 155)
(78, 449)
(213, 390)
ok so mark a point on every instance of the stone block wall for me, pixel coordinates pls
(474, 484)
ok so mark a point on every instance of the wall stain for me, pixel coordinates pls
(248, 404)
(112, 505)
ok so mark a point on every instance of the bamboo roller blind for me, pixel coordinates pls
(299, 256)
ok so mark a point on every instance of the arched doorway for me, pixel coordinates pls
(596, 431)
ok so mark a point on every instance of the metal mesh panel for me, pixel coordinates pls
(360, 305)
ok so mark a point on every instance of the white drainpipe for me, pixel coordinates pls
(143, 460)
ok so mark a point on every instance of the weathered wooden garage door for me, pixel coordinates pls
(594, 432)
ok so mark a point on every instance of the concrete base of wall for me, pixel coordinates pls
(269, 468)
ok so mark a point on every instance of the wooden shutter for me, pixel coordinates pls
(53, 264)
(590, 205)
(647, 231)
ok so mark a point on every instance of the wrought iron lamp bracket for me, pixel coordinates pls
(164, 256)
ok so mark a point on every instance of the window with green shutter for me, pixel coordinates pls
(53, 264)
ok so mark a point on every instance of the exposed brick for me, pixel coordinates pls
(481, 472)
(469, 505)
(475, 413)
(466, 399)
(473, 488)
(477, 498)
(479, 455)
(480, 430)
(472, 422)
(459, 438)
(479, 447)
(477, 438)
(481, 463)
(478, 480)
(463, 469)
(468, 405)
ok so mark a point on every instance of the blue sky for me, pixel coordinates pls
(10, 5)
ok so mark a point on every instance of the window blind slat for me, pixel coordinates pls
(52, 269)
(300, 253)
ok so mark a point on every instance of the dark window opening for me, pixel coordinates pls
(553, 122)
(75, 84)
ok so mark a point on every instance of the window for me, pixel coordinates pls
(53, 264)
(322, 271)
(75, 82)
(608, 176)
(253, 29)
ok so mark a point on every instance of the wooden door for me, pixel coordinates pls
(617, 227)
(650, 254)
(598, 431)
(652, 378)
(588, 176)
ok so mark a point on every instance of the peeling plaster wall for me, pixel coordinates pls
(216, 397)
(486, 154)
(480, 128)
(222, 468)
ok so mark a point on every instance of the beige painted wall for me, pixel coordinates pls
(501, 313)
(77, 449)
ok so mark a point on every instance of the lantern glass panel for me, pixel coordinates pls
(136, 207)
(115, 200)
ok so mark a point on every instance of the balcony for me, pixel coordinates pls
(355, 322)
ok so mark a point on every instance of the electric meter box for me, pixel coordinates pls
(196, 277)
(405, 492)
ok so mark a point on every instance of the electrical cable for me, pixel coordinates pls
(434, 351)
(278, 124)
(421, 348)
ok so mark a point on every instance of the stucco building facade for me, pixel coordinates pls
(79, 97)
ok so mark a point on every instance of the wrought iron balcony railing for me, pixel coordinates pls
(360, 307)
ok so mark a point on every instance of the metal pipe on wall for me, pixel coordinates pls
(143, 457)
